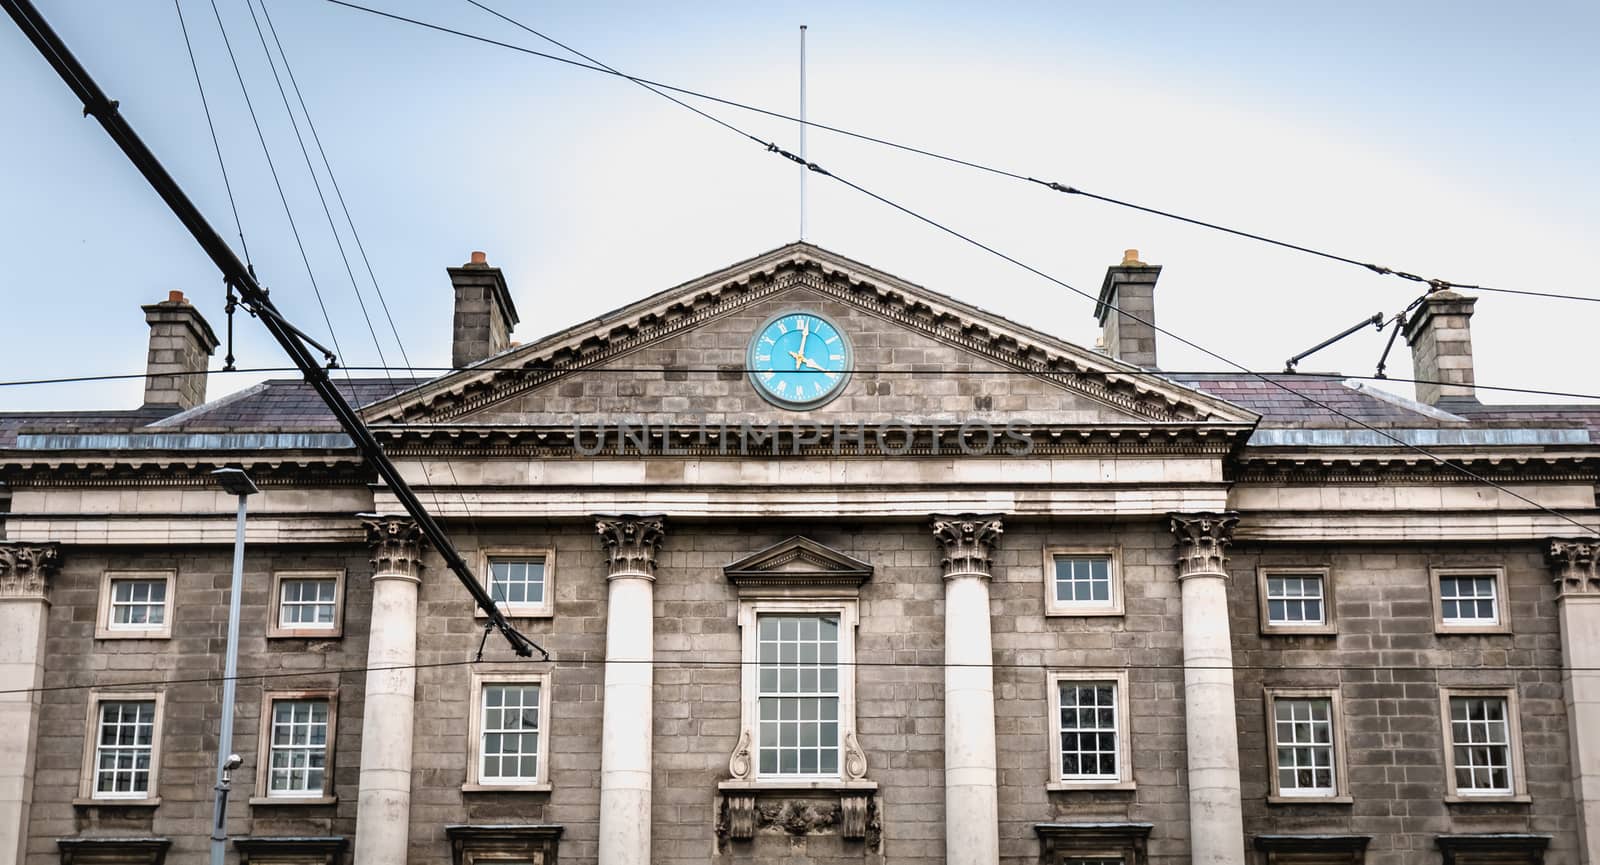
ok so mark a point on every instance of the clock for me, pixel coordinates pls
(799, 360)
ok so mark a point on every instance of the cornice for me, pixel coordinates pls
(909, 306)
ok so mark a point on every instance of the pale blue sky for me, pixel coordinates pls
(1454, 139)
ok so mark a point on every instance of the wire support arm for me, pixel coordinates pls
(255, 299)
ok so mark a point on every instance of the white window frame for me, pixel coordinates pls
(276, 629)
(1519, 783)
(750, 612)
(89, 781)
(1114, 606)
(1340, 790)
(105, 629)
(542, 610)
(1124, 731)
(1329, 623)
(264, 794)
(475, 780)
(1502, 605)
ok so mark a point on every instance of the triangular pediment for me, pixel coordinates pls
(696, 328)
(797, 562)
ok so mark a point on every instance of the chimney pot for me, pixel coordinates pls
(1127, 312)
(479, 259)
(181, 344)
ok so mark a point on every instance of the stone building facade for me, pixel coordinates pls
(980, 596)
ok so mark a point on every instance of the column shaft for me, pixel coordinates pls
(1216, 817)
(971, 801)
(24, 612)
(1577, 565)
(383, 809)
(627, 717)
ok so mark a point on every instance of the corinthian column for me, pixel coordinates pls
(1577, 566)
(972, 816)
(383, 811)
(630, 543)
(25, 571)
(1216, 821)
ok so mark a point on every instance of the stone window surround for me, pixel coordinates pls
(1312, 849)
(487, 844)
(474, 782)
(1053, 607)
(543, 610)
(263, 796)
(1502, 600)
(1330, 619)
(1493, 848)
(1519, 778)
(750, 610)
(291, 850)
(103, 629)
(1066, 842)
(91, 736)
(1125, 779)
(275, 627)
(1341, 773)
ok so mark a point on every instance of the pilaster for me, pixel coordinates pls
(1216, 818)
(972, 818)
(1576, 562)
(631, 543)
(383, 810)
(25, 574)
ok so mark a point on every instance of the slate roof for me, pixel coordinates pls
(281, 404)
(1283, 408)
(1535, 415)
(75, 421)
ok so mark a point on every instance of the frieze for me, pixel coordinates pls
(852, 814)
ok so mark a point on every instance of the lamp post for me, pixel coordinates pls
(238, 483)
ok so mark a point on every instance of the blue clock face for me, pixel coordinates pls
(799, 360)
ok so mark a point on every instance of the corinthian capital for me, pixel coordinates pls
(396, 546)
(1203, 541)
(26, 569)
(1576, 562)
(631, 542)
(968, 541)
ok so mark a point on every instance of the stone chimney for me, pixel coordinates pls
(1440, 336)
(1131, 288)
(485, 314)
(181, 344)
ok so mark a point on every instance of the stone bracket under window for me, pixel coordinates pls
(1065, 842)
(113, 851)
(848, 809)
(472, 844)
(298, 850)
(1493, 849)
(1313, 849)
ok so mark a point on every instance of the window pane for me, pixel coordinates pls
(1303, 735)
(307, 603)
(125, 748)
(798, 682)
(138, 604)
(509, 741)
(517, 581)
(1480, 738)
(1295, 600)
(1083, 580)
(1468, 600)
(1089, 731)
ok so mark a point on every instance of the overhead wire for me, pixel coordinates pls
(712, 663)
(282, 196)
(658, 86)
(1177, 376)
(812, 166)
(216, 145)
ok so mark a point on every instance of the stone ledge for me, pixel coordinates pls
(291, 801)
(82, 802)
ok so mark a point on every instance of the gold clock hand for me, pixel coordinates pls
(805, 333)
(813, 364)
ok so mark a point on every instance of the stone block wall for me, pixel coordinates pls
(1388, 665)
(76, 661)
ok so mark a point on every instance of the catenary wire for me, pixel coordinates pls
(267, 152)
(1176, 375)
(238, 226)
(316, 183)
(708, 663)
(815, 168)
(597, 66)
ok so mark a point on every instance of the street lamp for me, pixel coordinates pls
(236, 482)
